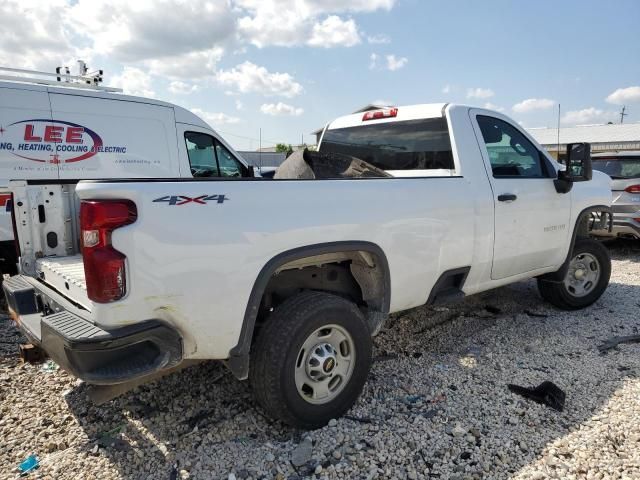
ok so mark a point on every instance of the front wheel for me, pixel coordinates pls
(311, 359)
(586, 279)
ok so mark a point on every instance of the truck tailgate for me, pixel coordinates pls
(66, 275)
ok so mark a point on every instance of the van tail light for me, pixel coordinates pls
(632, 189)
(104, 266)
(383, 113)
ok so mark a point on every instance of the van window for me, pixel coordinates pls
(209, 158)
(510, 153)
(202, 154)
(409, 145)
(227, 163)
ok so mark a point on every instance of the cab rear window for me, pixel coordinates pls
(408, 145)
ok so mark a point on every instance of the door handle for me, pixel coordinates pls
(507, 197)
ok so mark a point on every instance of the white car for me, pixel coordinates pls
(73, 132)
(624, 170)
(126, 278)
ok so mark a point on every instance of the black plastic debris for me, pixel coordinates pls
(547, 393)
(358, 419)
(173, 474)
(615, 341)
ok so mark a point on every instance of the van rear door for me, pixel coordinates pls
(114, 137)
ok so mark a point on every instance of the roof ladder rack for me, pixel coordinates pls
(62, 77)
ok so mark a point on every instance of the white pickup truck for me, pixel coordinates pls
(121, 279)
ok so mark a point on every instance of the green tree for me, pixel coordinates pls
(284, 148)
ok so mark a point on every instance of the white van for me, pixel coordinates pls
(74, 132)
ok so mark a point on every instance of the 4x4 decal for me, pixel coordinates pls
(183, 199)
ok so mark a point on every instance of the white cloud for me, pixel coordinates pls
(446, 88)
(279, 109)
(588, 115)
(624, 96)
(491, 106)
(192, 65)
(251, 78)
(182, 88)
(379, 39)
(239, 105)
(396, 63)
(142, 30)
(531, 104)
(391, 62)
(288, 22)
(33, 35)
(480, 93)
(133, 81)
(382, 102)
(333, 32)
(215, 118)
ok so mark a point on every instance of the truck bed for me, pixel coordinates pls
(66, 275)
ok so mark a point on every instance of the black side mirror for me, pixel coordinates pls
(251, 171)
(579, 162)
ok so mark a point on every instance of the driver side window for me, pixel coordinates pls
(511, 154)
(202, 154)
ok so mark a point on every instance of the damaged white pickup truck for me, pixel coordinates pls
(122, 279)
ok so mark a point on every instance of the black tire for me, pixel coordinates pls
(274, 357)
(559, 295)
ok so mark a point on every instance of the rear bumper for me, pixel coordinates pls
(85, 350)
(624, 221)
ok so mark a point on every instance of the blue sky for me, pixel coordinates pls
(289, 66)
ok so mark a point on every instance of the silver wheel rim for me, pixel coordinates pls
(583, 275)
(324, 364)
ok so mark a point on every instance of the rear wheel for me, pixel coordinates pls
(311, 359)
(586, 279)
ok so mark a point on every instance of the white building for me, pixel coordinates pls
(603, 138)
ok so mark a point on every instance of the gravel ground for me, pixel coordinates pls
(436, 404)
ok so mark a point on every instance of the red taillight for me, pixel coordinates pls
(104, 266)
(384, 113)
(632, 189)
(5, 198)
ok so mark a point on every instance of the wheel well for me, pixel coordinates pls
(355, 275)
(355, 269)
(589, 222)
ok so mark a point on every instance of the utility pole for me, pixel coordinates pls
(558, 151)
(260, 149)
(622, 114)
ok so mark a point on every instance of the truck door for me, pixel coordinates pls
(531, 218)
(28, 139)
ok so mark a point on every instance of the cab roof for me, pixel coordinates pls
(408, 112)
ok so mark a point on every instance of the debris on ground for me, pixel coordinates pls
(359, 419)
(29, 464)
(302, 453)
(49, 366)
(615, 341)
(30, 353)
(492, 309)
(547, 393)
(535, 314)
